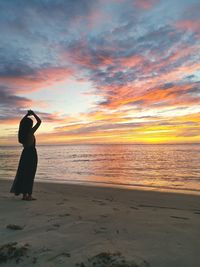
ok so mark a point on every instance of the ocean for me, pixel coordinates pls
(150, 167)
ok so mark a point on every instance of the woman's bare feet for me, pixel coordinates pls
(24, 197)
(30, 198)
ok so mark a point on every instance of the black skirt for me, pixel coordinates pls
(23, 182)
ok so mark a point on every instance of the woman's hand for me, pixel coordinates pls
(30, 112)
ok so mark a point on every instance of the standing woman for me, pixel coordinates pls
(23, 182)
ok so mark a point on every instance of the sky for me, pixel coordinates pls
(103, 71)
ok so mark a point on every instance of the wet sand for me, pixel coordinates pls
(85, 226)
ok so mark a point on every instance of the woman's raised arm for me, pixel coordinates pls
(37, 125)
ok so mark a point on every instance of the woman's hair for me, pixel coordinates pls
(24, 129)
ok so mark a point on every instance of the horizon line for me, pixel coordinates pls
(100, 144)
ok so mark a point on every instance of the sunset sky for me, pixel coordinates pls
(103, 71)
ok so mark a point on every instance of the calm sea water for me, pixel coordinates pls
(153, 167)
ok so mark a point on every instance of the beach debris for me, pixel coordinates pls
(13, 251)
(14, 227)
(105, 259)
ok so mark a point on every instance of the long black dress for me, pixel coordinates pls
(23, 182)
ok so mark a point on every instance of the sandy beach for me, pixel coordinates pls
(74, 225)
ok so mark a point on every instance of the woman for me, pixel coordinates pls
(24, 179)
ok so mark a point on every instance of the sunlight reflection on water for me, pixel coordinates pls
(170, 167)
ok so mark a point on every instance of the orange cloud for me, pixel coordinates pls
(174, 131)
(101, 128)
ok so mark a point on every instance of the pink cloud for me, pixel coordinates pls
(37, 80)
(131, 61)
(79, 56)
(149, 91)
(145, 4)
(189, 25)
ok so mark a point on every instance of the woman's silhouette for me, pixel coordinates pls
(23, 182)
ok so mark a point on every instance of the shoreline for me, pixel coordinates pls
(69, 224)
(119, 186)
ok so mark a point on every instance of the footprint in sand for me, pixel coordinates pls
(56, 225)
(103, 215)
(109, 199)
(101, 230)
(178, 217)
(134, 208)
(101, 203)
(60, 203)
(64, 215)
(14, 227)
(197, 212)
(53, 227)
(73, 208)
(60, 258)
